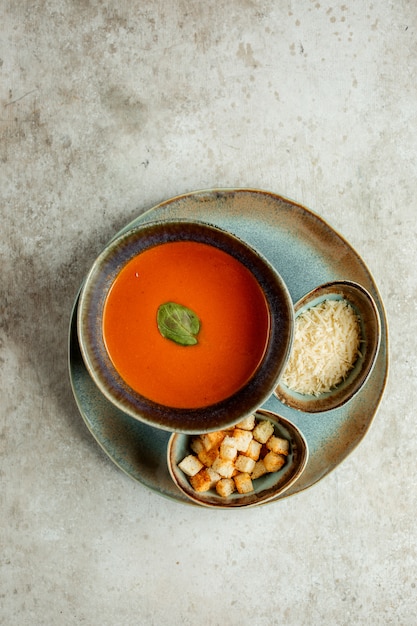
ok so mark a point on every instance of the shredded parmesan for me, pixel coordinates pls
(326, 346)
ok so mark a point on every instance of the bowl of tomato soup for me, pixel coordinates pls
(184, 326)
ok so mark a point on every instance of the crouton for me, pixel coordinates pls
(201, 481)
(229, 440)
(254, 450)
(228, 449)
(242, 438)
(214, 477)
(190, 465)
(223, 467)
(259, 470)
(243, 483)
(273, 462)
(207, 457)
(197, 445)
(262, 431)
(225, 487)
(278, 445)
(247, 424)
(244, 464)
(211, 440)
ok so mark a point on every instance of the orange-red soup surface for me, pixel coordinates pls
(234, 320)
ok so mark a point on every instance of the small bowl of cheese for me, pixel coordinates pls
(336, 341)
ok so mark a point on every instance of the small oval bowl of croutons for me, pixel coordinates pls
(247, 464)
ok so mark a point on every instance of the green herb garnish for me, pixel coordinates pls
(178, 323)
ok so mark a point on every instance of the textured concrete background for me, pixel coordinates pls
(107, 108)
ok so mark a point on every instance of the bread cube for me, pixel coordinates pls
(262, 431)
(258, 470)
(228, 449)
(273, 462)
(207, 457)
(211, 440)
(243, 483)
(247, 424)
(201, 481)
(197, 445)
(242, 438)
(254, 450)
(278, 445)
(244, 464)
(214, 477)
(223, 467)
(225, 487)
(190, 465)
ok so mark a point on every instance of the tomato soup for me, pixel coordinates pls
(234, 324)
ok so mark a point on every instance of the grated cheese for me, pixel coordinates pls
(326, 346)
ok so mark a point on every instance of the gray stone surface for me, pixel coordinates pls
(106, 109)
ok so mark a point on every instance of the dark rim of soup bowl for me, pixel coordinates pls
(90, 310)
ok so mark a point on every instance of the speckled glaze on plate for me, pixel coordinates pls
(307, 252)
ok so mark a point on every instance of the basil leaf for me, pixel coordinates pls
(178, 323)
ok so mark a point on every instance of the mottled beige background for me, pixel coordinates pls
(107, 108)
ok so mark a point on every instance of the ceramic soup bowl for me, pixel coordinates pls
(184, 326)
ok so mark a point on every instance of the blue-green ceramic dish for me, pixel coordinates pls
(370, 338)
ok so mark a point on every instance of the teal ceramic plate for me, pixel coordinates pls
(307, 252)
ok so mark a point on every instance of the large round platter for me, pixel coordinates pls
(307, 252)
